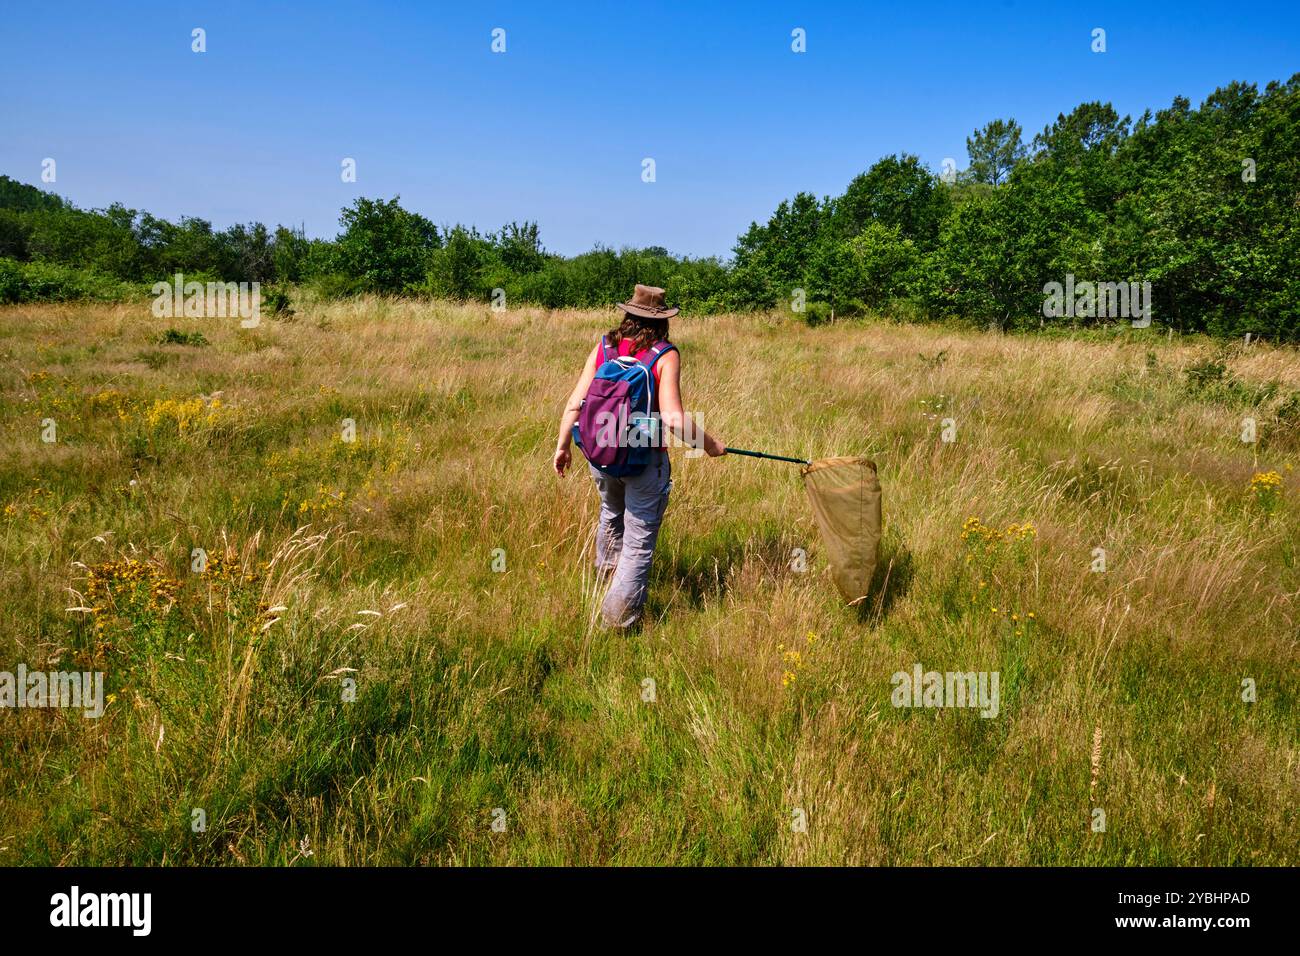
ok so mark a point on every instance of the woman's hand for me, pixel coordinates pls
(571, 412)
(712, 447)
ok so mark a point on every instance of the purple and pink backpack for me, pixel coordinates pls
(618, 424)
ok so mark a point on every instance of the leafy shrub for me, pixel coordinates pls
(275, 303)
(384, 247)
(817, 313)
(11, 282)
(1288, 413)
(48, 282)
(1210, 380)
(177, 337)
(886, 263)
(332, 285)
(1206, 374)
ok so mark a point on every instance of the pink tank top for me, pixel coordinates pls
(625, 348)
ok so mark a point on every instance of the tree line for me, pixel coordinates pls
(1201, 203)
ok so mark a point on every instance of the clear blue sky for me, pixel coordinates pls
(556, 128)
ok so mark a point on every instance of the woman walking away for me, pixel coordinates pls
(630, 385)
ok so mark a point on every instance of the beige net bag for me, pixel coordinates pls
(845, 496)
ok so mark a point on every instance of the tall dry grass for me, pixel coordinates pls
(371, 561)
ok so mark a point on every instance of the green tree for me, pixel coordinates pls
(290, 249)
(898, 191)
(248, 250)
(777, 255)
(1089, 129)
(103, 241)
(832, 275)
(520, 247)
(886, 264)
(13, 235)
(383, 247)
(455, 268)
(994, 151)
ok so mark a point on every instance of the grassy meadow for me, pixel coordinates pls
(365, 568)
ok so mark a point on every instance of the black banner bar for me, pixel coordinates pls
(326, 904)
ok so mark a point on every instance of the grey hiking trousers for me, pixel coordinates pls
(631, 510)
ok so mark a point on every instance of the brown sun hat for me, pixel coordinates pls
(648, 302)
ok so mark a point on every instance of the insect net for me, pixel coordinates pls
(845, 496)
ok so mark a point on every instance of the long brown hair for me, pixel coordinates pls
(642, 331)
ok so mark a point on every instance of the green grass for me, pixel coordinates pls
(478, 691)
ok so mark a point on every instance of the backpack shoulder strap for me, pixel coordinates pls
(604, 350)
(658, 351)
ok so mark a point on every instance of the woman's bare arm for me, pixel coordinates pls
(571, 409)
(670, 408)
